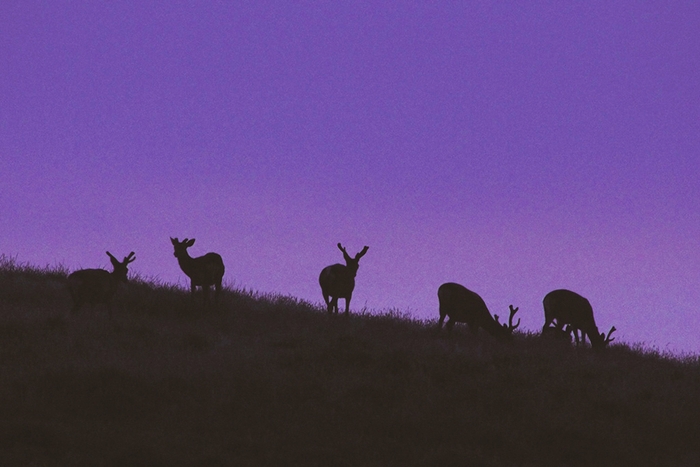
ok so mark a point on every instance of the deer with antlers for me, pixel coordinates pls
(95, 286)
(338, 280)
(203, 271)
(462, 305)
(569, 308)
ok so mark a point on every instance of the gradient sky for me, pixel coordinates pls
(513, 147)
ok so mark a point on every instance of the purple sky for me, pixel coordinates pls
(515, 147)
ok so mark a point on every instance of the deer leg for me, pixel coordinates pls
(443, 313)
(576, 336)
(334, 305)
(547, 322)
(347, 305)
(217, 292)
(450, 324)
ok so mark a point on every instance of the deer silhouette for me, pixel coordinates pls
(570, 308)
(203, 271)
(95, 286)
(462, 305)
(338, 280)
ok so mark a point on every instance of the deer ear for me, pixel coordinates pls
(174, 241)
(190, 243)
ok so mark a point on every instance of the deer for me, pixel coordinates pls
(570, 308)
(462, 305)
(95, 286)
(203, 271)
(338, 280)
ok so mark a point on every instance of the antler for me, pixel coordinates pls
(127, 259)
(357, 256)
(345, 253)
(509, 327)
(606, 339)
(513, 311)
(362, 253)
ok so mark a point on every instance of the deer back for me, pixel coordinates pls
(462, 305)
(92, 285)
(203, 270)
(567, 307)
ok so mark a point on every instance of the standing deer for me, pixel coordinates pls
(203, 271)
(97, 285)
(567, 307)
(338, 281)
(462, 305)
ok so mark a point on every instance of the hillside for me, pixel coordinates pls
(271, 380)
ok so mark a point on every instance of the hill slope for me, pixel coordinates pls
(275, 381)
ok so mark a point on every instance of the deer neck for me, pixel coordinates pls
(118, 276)
(186, 262)
(492, 327)
(352, 269)
(596, 339)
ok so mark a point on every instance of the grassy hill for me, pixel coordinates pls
(272, 380)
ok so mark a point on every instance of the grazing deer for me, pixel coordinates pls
(203, 271)
(338, 281)
(462, 305)
(97, 285)
(567, 307)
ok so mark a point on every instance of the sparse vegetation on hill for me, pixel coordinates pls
(272, 380)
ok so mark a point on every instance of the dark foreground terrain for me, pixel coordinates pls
(275, 381)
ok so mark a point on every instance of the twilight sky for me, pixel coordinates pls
(513, 147)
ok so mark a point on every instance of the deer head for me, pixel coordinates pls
(120, 268)
(606, 339)
(509, 328)
(352, 263)
(181, 247)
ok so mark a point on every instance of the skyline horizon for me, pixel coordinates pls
(183, 281)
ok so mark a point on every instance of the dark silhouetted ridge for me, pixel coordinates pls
(272, 380)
